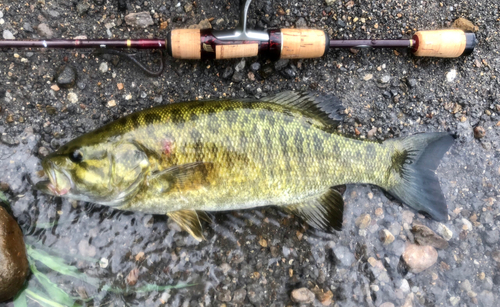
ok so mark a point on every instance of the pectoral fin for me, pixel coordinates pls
(323, 212)
(183, 177)
(189, 220)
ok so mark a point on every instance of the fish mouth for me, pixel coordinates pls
(58, 184)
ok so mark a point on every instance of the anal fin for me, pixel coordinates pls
(324, 211)
(189, 220)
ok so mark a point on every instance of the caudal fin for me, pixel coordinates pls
(414, 182)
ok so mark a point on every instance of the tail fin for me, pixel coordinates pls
(413, 164)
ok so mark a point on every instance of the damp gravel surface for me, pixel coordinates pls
(259, 257)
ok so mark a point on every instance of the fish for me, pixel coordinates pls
(186, 159)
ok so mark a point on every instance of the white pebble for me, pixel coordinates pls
(72, 97)
(451, 75)
(103, 67)
(103, 263)
(7, 34)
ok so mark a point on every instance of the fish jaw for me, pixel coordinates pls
(58, 184)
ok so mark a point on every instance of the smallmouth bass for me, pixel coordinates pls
(187, 158)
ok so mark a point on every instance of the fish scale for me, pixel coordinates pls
(284, 150)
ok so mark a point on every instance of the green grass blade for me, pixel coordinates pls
(58, 264)
(56, 294)
(41, 299)
(4, 198)
(145, 288)
(20, 300)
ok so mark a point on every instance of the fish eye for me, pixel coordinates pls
(76, 156)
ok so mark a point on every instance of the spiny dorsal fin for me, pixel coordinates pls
(326, 107)
(323, 212)
(189, 220)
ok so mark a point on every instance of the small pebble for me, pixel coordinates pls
(281, 64)
(425, 236)
(385, 79)
(368, 77)
(44, 31)
(119, 86)
(237, 77)
(224, 295)
(451, 75)
(496, 255)
(139, 256)
(111, 103)
(132, 277)
(479, 132)
(228, 72)
(239, 295)
(43, 152)
(240, 66)
(302, 296)
(363, 221)
(255, 66)
(445, 232)
(103, 67)
(66, 77)
(72, 97)
(386, 237)
(7, 34)
(141, 19)
(419, 258)
(103, 263)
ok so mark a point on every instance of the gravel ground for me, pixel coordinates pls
(259, 257)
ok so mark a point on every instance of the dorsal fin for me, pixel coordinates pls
(326, 107)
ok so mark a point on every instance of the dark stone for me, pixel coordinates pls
(82, 8)
(9, 140)
(266, 71)
(425, 236)
(237, 77)
(341, 23)
(279, 65)
(66, 77)
(412, 83)
(240, 294)
(224, 295)
(492, 237)
(255, 66)
(27, 27)
(288, 73)
(301, 23)
(228, 72)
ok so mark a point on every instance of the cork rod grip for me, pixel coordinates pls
(302, 43)
(440, 43)
(185, 44)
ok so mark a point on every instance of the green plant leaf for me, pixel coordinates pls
(41, 299)
(58, 264)
(4, 198)
(56, 294)
(20, 300)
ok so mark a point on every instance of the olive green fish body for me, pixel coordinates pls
(227, 155)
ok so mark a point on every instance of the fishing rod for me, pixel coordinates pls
(208, 44)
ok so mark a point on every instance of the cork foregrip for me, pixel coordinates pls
(440, 43)
(236, 51)
(186, 44)
(302, 43)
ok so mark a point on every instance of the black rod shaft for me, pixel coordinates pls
(371, 43)
(85, 43)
